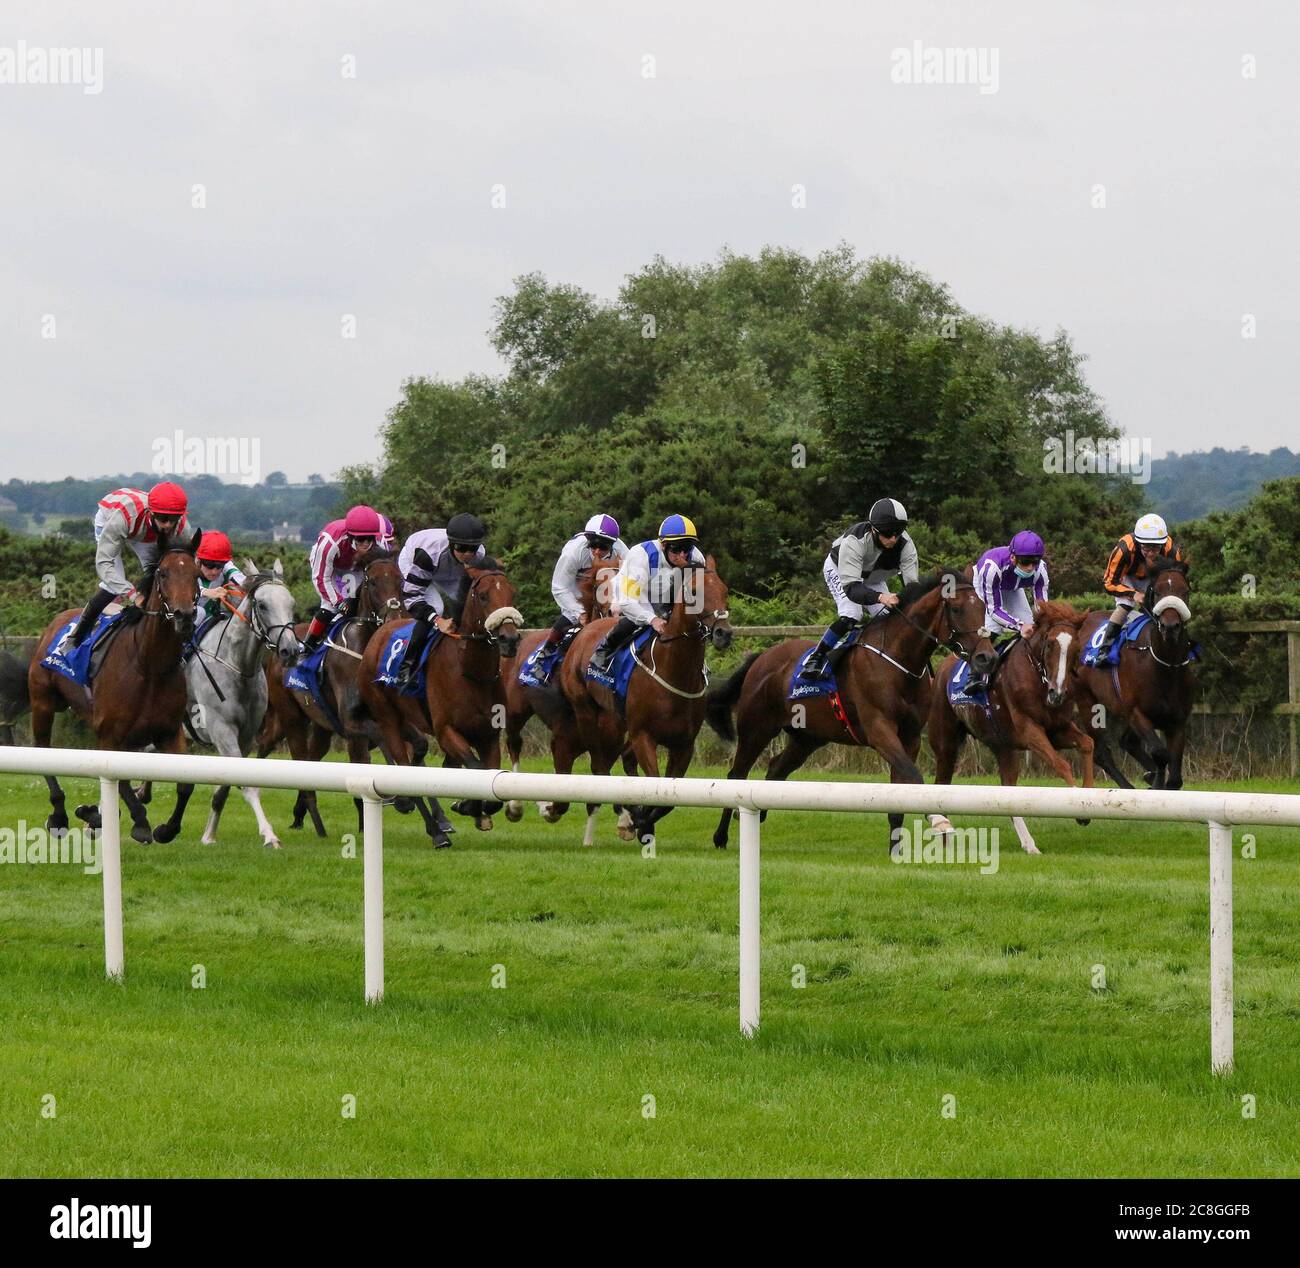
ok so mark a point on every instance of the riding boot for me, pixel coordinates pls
(546, 650)
(620, 635)
(414, 649)
(818, 664)
(1109, 633)
(316, 631)
(90, 614)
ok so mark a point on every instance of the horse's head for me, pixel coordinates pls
(602, 588)
(175, 588)
(1055, 626)
(268, 605)
(489, 608)
(703, 595)
(380, 595)
(948, 604)
(1166, 598)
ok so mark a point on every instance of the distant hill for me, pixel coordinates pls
(252, 512)
(1187, 486)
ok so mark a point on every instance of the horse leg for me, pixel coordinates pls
(1176, 735)
(219, 797)
(883, 736)
(1009, 771)
(1143, 744)
(1072, 737)
(749, 749)
(144, 794)
(140, 830)
(42, 728)
(1086, 706)
(318, 747)
(359, 753)
(515, 748)
(168, 830)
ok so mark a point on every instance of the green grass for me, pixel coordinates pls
(621, 984)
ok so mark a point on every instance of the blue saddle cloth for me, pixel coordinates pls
(305, 675)
(1127, 635)
(802, 688)
(390, 659)
(621, 667)
(74, 662)
(547, 665)
(959, 692)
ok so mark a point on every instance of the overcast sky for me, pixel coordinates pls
(328, 195)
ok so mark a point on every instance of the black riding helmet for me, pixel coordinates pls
(466, 530)
(888, 517)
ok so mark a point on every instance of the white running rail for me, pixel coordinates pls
(1218, 811)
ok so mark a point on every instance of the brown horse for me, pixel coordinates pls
(463, 707)
(666, 695)
(1153, 687)
(884, 689)
(595, 588)
(296, 717)
(1031, 708)
(137, 698)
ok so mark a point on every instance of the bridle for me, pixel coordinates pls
(379, 611)
(164, 609)
(705, 622)
(955, 633)
(488, 637)
(268, 635)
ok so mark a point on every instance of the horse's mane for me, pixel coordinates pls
(1057, 612)
(918, 589)
(379, 556)
(1166, 563)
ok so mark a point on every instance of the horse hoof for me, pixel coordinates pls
(484, 823)
(88, 815)
(719, 841)
(57, 825)
(1031, 848)
(441, 841)
(143, 835)
(403, 805)
(273, 844)
(294, 827)
(1083, 823)
(207, 840)
(163, 833)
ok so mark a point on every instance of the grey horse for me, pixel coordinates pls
(227, 687)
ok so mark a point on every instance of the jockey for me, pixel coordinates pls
(217, 572)
(599, 541)
(645, 581)
(434, 581)
(1129, 569)
(858, 569)
(128, 515)
(1011, 580)
(338, 561)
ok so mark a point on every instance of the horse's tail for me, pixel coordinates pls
(14, 700)
(723, 697)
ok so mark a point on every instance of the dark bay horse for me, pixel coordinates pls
(1032, 708)
(594, 585)
(666, 695)
(463, 707)
(296, 717)
(137, 698)
(884, 686)
(1151, 690)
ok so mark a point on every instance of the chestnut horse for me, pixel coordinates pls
(1032, 708)
(1151, 689)
(463, 707)
(137, 698)
(666, 698)
(296, 717)
(884, 686)
(594, 586)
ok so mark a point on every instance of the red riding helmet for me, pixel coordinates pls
(363, 521)
(167, 499)
(214, 548)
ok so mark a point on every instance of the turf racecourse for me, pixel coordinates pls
(620, 985)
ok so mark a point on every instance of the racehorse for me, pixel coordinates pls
(595, 587)
(295, 716)
(138, 695)
(1152, 688)
(666, 694)
(884, 685)
(1030, 708)
(463, 706)
(227, 688)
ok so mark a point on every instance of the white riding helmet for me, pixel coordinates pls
(1150, 530)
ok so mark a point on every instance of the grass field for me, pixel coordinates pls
(921, 982)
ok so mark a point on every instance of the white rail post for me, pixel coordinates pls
(110, 864)
(750, 937)
(1220, 948)
(372, 812)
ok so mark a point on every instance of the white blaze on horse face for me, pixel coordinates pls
(1063, 642)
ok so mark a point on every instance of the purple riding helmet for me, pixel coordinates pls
(602, 527)
(1026, 545)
